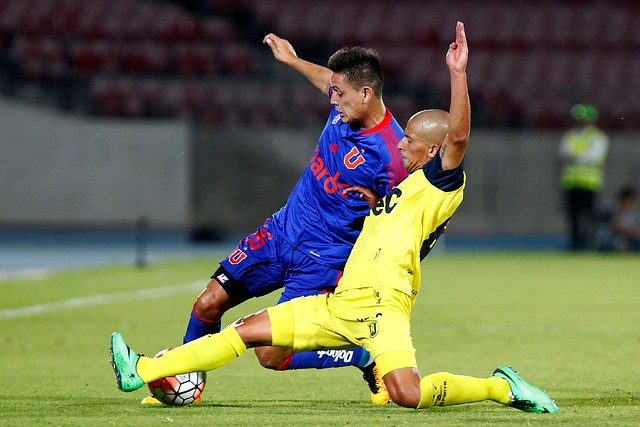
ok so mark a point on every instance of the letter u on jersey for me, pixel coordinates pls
(353, 158)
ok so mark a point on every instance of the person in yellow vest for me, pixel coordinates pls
(583, 155)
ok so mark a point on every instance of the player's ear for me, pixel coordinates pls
(367, 94)
(433, 150)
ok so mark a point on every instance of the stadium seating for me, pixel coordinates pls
(531, 60)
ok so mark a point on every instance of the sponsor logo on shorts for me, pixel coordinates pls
(222, 278)
(364, 319)
(373, 329)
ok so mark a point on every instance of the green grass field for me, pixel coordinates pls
(569, 323)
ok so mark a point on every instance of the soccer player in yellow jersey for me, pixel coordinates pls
(371, 306)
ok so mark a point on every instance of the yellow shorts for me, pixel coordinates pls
(376, 319)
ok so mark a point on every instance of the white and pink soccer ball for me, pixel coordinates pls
(178, 390)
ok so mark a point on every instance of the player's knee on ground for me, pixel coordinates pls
(404, 386)
(272, 357)
(212, 303)
(406, 395)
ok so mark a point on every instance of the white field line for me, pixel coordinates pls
(25, 273)
(102, 299)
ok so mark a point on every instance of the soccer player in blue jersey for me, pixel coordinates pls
(304, 246)
(372, 303)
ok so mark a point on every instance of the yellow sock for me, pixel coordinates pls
(204, 354)
(444, 389)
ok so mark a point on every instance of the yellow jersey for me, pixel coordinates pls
(401, 229)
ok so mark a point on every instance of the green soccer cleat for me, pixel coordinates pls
(525, 396)
(379, 391)
(124, 363)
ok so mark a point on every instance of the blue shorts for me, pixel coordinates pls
(264, 262)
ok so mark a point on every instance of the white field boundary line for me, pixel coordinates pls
(102, 299)
(24, 274)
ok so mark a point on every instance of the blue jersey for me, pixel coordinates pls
(318, 219)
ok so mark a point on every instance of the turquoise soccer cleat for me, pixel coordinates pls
(124, 363)
(525, 396)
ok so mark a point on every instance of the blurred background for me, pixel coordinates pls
(171, 117)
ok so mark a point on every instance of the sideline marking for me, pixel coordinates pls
(25, 274)
(102, 299)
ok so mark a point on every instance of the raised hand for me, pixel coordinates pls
(458, 53)
(281, 48)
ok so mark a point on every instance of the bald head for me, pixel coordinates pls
(431, 125)
(424, 133)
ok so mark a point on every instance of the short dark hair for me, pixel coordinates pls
(627, 192)
(360, 65)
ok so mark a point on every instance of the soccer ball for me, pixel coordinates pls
(178, 390)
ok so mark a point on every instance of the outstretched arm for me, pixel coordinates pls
(365, 194)
(455, 144)
(283, 52)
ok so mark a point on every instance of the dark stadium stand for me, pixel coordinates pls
(203, 60)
